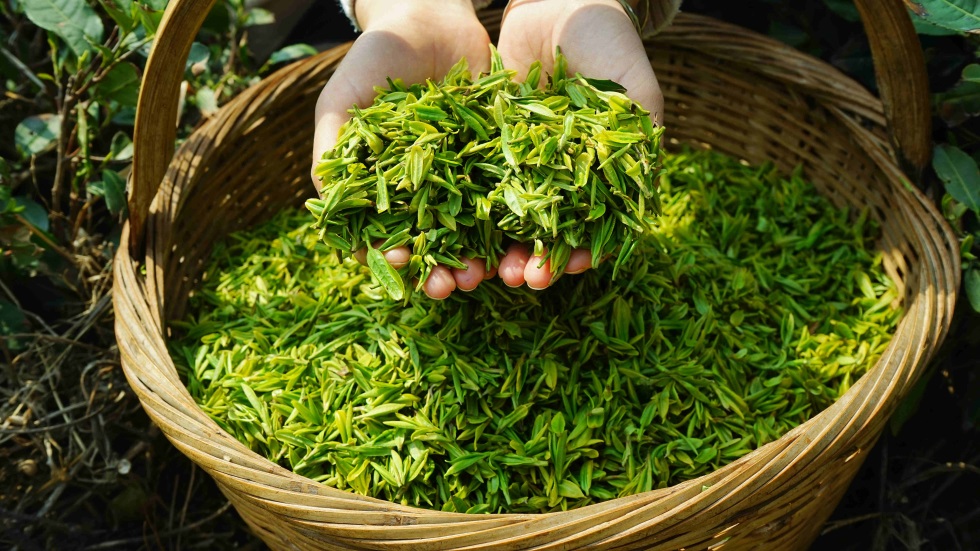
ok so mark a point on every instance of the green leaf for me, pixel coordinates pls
(971, 73)
(207, 102)
(605, 85)
(12, 321)
(959, 102)
(114, 188)
(706, 455)
(96, 188)
(71, 20)
(788, 33)
(259, 16)
(121, 84)
(514, 201)
(150, 17)
(291, 53)
(570, 489)
(121, 148)
(121, 11)
(926, 28)
(971, 284)
(83, 134)
(125, 116)
(910, 404)
(385, 273)
(37, 134)
(382, 203)
(957, 15)
(4, 175)
(199, 54)
(959, 173)
(33, 213)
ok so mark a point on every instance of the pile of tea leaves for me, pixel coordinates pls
(752, 306)
(460, 167)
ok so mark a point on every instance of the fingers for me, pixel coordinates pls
(511, 269)
(475, 272)
(538, 276)
(517, 267)
(398, 257)
(579, 261)
(537, 273)
(440, 283)
(642, 87)
(442, 280)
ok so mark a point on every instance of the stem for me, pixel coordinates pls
(67, 103)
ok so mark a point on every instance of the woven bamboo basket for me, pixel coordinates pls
(725, 88)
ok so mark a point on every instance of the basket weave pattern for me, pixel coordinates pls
(726, 89)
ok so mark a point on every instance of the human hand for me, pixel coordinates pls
(597, 39)
(413, 41)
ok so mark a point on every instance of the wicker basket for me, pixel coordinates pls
(726, 89)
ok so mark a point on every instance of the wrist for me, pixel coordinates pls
(566, 7)
(568, 3)
(370, 12)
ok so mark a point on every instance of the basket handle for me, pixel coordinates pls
(903, 84)
(898, 59)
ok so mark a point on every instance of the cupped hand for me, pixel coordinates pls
(413, 41)
(598, 40)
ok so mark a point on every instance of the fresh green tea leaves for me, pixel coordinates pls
(572, 165)
(750, 305)
(385, 273)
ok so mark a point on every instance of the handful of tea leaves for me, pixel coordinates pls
(751, 306)
(454, 168)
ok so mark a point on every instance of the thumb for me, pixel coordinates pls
(331, 113)
(642, 86)
(599, 41)
(324, 138)
(351, 84)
